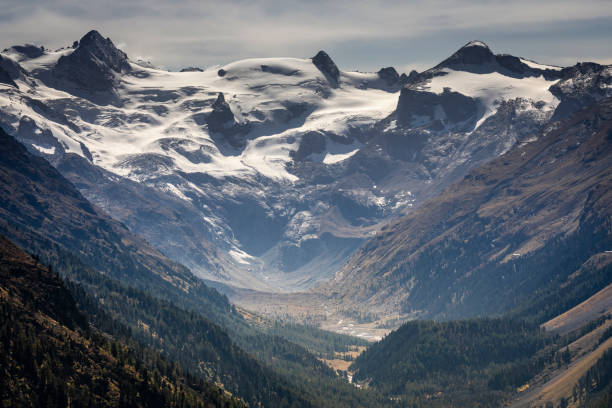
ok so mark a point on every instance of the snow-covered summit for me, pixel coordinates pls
(478, 58)
(476, 43)
(473, 53)
(487, 79)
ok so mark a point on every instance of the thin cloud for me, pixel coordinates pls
(188, 32)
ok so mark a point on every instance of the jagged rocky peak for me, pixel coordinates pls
(94, 63)
(327, 66)
(220, 102)
(389, 75)
(580, 86)
(221, 116)
(414, 76)
(311, 142)
(477, 57)
(94, 45)
(222, 124)
(583, 68)
(472, 53)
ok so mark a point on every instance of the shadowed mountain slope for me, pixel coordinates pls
(508, 228)
(36, 200)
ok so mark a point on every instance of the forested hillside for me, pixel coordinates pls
(40, 208)
(459, 363)
(489, 363)
(49, 355)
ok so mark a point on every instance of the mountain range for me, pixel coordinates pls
(268, 174)
(167, 234)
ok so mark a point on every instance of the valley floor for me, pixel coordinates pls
(315, 309)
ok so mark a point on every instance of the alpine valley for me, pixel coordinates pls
(190, 234)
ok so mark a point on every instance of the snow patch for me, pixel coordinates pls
(336, 158)
(241, 257)
(174, 190)
(44, 150)
(533, 64)
(476, 44)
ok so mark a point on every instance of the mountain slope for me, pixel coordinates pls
(40, 208)
(438, 364)
(490, 363)
(200, 346)
(273, 171)
(553, 349)
(535, 214)
(588, 350)
(50, 357)
(157, 313)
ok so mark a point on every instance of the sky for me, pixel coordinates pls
(358, 35)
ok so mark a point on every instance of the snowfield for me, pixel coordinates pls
(158, 106)
(492, 88)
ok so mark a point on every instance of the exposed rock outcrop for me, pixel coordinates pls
(389, 75)
(93, 65)
(448, 107)
(327, 66)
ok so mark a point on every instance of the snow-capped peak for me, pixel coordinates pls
(473, 53)
(94, 46)
(94, 63)
(476, 43)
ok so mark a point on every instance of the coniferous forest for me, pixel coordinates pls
(52, 357)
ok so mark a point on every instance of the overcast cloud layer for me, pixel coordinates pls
(363, 35)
